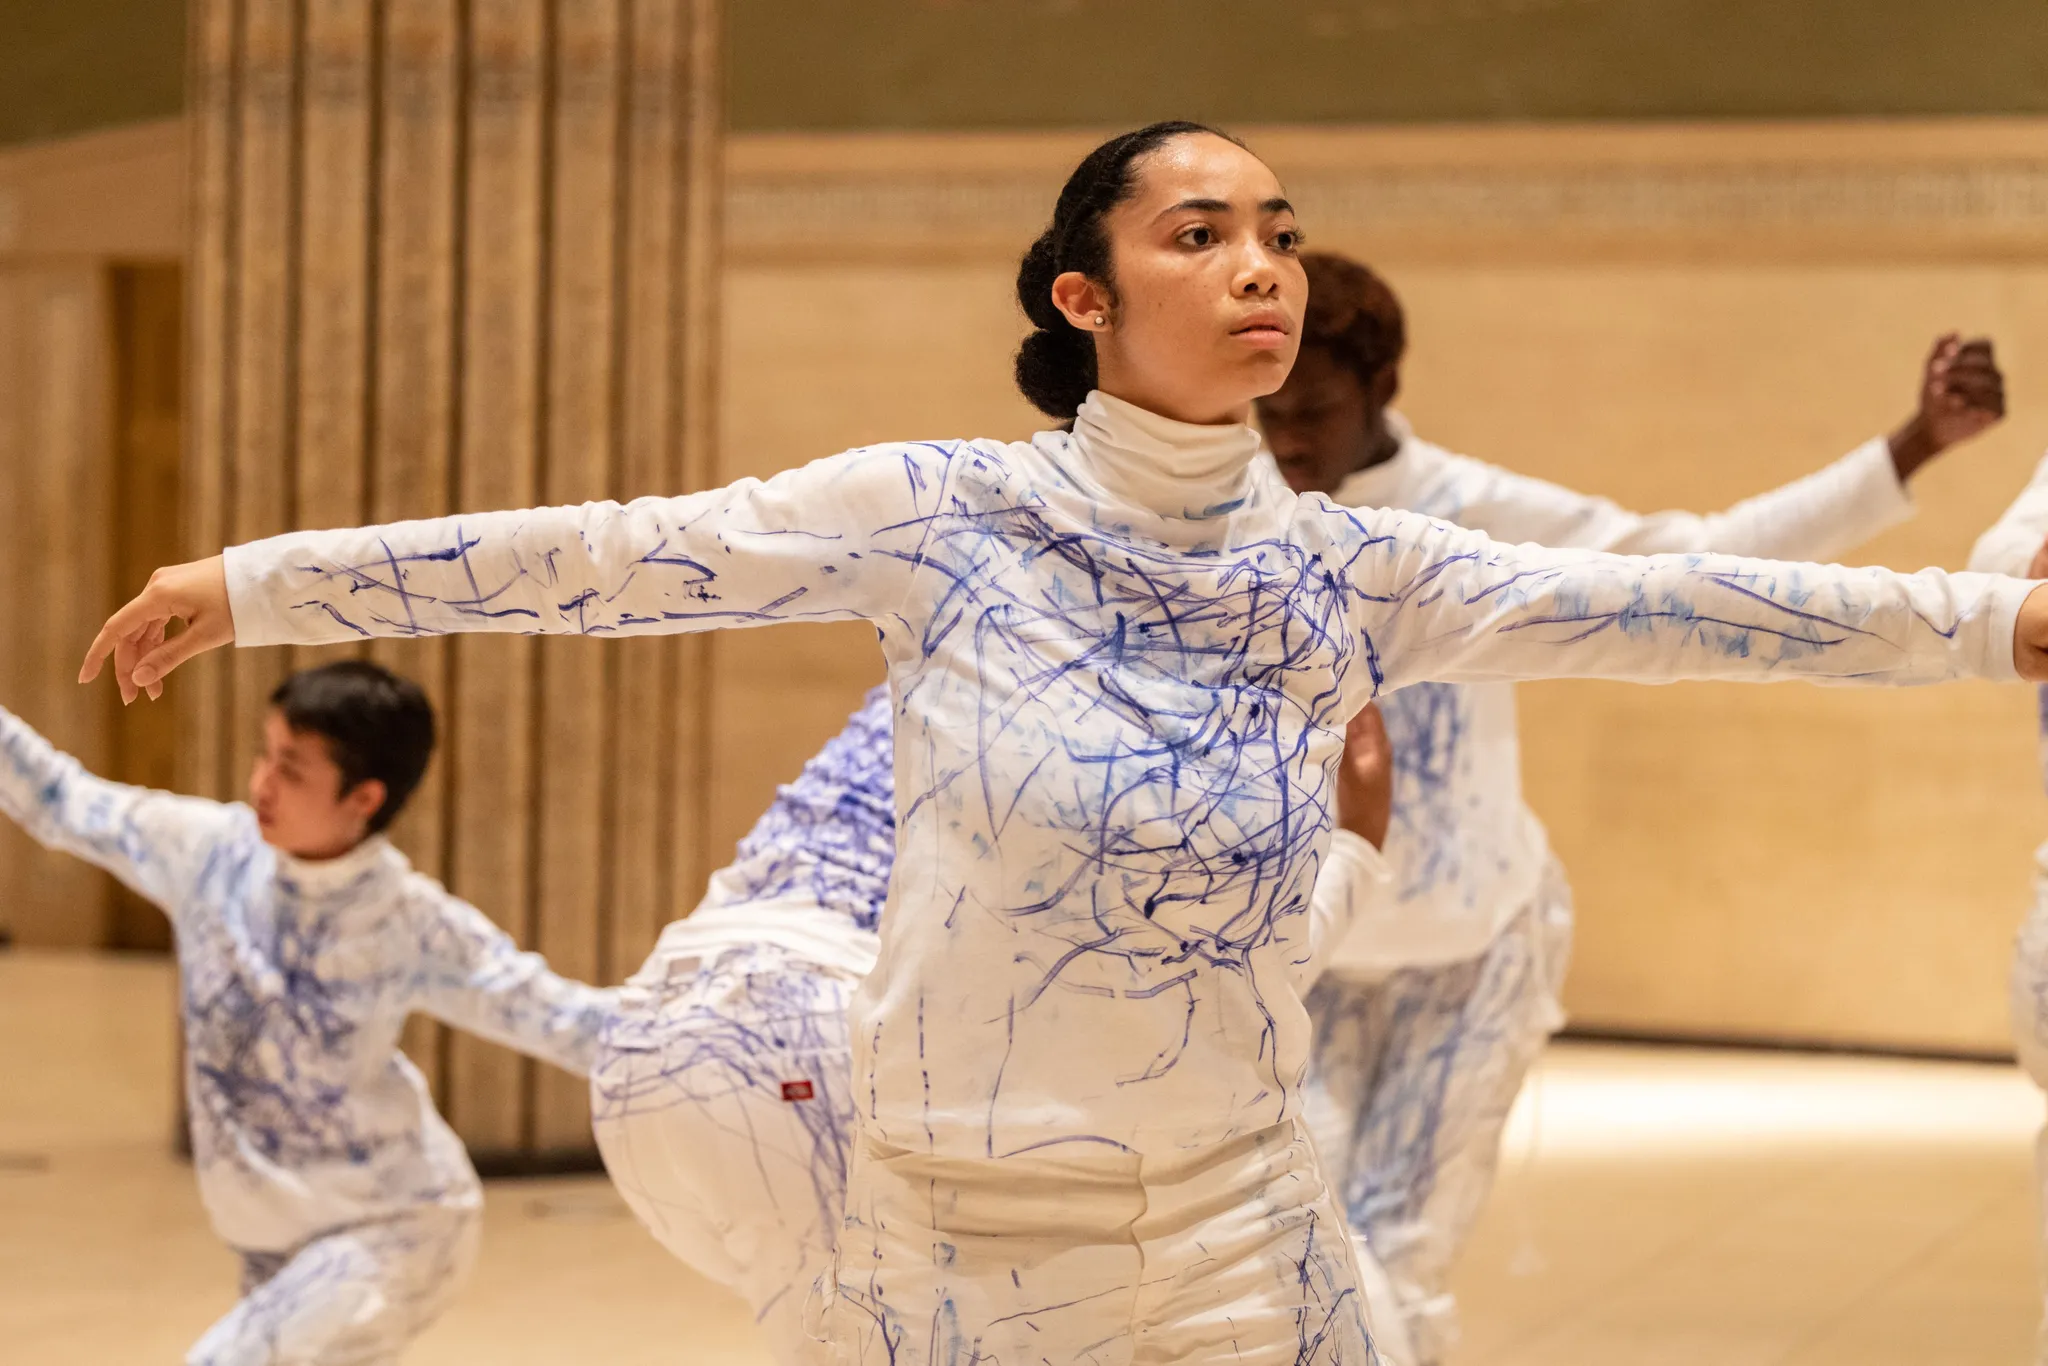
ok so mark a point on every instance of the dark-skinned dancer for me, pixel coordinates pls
(1433, 1010)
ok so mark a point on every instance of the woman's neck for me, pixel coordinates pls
(1378, 450)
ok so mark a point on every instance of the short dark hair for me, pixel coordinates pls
(376, 725)
(1056, 364)
(1352, 314)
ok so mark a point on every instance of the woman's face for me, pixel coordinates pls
(1209, 291)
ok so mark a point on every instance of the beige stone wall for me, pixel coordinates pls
(74, 217)
(462, 255)
(1674, 317)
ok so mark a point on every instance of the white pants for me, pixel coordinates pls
(1411, 1080)
(354, 1297)
(2030, 1039)
(722, 1106)
(1233, 1253)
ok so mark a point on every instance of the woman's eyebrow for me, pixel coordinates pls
(1268, 207)
(1198, 205)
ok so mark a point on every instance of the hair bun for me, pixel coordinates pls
(1056, 369)
(1035, 274)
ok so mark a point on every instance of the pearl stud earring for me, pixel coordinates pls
(1102, 320)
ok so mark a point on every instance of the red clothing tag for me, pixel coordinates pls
(797, 1090)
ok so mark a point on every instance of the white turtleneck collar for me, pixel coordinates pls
(1174, 469)
(321, 877)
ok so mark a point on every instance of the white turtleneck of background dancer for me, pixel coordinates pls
(304, 939)
(1121, 660)
(2018, 543)
(723, 1093)
(1433, 1011)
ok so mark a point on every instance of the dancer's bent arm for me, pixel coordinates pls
(155, 842)
(1817, 517)
(473, 976)
(1354, 875)
(2013, 545)
(1438, 602)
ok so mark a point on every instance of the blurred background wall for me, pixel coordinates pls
(1674, 251)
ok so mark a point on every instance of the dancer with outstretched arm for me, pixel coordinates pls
(722, 1094)
(1121, 663)
(1442, 996)
(304, 940)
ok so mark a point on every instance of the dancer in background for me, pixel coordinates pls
(1446, 990)
(304, 940)
(723, 1094)
(1122, 663)
(2018, 543)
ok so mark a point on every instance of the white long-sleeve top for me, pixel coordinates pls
(1122, 667)
(1465, 850)
(296, 978)
(2008, 547)
(2010, 544)
(812, 876)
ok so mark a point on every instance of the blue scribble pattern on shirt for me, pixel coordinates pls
(296, 980)
(1115, 729)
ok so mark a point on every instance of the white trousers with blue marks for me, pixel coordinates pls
(1411, 1080)
(1087, 1256)
(721, 1101)
(354, 1297)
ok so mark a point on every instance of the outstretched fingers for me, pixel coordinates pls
(138, 639)
(199, 635)
(118, 640)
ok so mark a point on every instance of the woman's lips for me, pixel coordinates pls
(1267, 336)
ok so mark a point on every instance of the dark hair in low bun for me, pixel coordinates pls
(1056, 363)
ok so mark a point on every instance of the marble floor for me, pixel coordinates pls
(1656, 1205)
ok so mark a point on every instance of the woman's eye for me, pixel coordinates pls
(1288, 239)
(1201, 235)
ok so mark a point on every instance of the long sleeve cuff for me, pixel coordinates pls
(2002, 602)
(1353, 855)
(1352, 882)
(1875, 499)
(255, 591)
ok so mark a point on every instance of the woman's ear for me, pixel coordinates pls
(1085, 303)
(365, 799)
(1386, 385)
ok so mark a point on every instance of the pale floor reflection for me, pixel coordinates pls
(1668, 1206)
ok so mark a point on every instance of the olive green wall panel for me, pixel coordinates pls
(71, 65)
(1041, 63)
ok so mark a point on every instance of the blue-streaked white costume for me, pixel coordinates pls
(1445, 991)
(320, 1157)
(2009, 548)
(723, 1094)
(1121, 662)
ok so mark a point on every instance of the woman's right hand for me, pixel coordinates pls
(138, 637)
(1365, 778)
